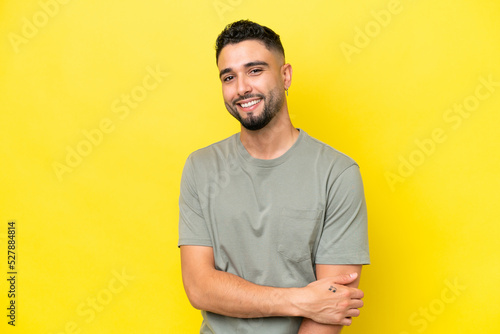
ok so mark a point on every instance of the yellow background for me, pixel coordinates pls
(115, 213)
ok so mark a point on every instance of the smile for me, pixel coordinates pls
(249, 104)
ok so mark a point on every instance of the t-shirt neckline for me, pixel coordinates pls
(243, 153)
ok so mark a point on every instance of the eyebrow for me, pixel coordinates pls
(247, 65)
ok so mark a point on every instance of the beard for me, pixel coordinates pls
(272, 105)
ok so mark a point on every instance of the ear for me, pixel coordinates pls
(286, 75)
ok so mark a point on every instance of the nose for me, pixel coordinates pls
(243, 86)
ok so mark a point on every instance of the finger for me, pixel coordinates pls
(347, 292)
(356, 293)
(345, 279)
(354, 312)
(356, 303)
(346, 322)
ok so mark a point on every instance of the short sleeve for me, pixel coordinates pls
(344, 239)
(192, 225)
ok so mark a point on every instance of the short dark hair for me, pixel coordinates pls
(243, 30)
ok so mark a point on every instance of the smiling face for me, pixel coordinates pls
(253, 82)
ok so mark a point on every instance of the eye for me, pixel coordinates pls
(255, 71)
(228, 78)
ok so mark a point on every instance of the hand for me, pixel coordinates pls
(329, 301)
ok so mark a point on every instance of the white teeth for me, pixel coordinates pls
(249, 104)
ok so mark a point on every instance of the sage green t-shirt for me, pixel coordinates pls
(271, 221)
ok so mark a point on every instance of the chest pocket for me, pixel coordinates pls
(298, 233)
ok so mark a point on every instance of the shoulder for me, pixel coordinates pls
(216, 150)
(325, 154)
(212, 159)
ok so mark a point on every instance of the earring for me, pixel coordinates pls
(286, 91)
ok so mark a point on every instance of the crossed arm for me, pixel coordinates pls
(309, 326)
(227, 294)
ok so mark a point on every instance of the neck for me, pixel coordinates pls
(271, 141)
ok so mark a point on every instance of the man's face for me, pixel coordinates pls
(252, 84)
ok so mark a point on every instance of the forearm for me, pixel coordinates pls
(227, 294)
(223, 293)
(309, 326)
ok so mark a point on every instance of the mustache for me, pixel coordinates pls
(249, 96)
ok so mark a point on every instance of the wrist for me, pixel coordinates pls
(295, 300)
(283, 302)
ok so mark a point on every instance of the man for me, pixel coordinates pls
(272, 227)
